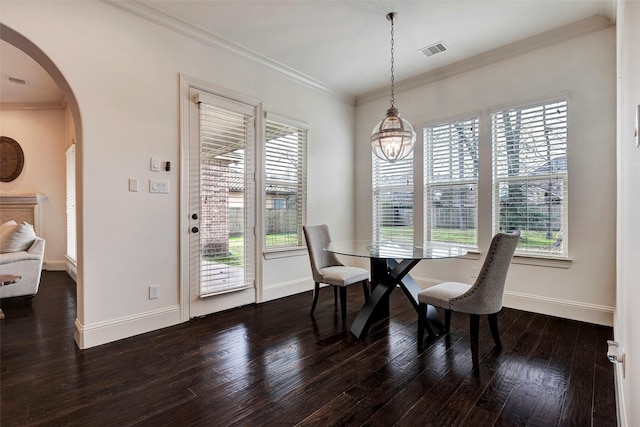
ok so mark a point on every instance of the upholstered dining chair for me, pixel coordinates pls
(483, 297)
(326, 268)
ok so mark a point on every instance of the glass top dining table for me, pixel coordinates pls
(391, 262)
(395, 249)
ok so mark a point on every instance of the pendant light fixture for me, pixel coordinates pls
(393, 138)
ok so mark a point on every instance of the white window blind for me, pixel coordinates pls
(530, 176)
(393, 199)
(71, 204)
(227, 198)
(285, 183)
(451, 182)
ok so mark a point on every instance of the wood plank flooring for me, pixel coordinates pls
(272, 364)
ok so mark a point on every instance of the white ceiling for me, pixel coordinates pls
(39, 87)
(344, 44)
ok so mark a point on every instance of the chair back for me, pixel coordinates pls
(485, 296)
(317, 238)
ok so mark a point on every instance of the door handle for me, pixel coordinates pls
(194, 229)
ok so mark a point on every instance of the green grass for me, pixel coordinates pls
(536, 240)
(235, 255)
(533, 240)
(463, 237)
(281, 239)
(236, 248)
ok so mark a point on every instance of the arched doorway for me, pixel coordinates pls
(20, 42)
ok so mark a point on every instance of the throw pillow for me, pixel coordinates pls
(6, 229)
(7, 226)
(19, 238)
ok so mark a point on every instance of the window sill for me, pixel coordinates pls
(528, 260)
(284, 252)
(471, 254)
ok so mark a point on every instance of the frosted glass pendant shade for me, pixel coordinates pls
(393, 138)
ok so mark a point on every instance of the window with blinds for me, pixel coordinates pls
(530, 176)
(451, 182)
(285, 183)
(71, 204)
(393, 199)
(226, 199)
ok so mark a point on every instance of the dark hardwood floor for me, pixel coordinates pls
(272, 364)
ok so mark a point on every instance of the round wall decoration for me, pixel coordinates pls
(11, 159)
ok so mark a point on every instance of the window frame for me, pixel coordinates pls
(277, 251)
(530, 256)
(407, 189)
(71, 250)
(427, 165)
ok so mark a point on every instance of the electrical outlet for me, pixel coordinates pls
(154, 291)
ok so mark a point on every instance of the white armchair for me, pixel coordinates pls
(27, 264)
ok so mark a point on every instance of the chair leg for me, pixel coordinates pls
(316, 291)
(335, 296)
(422, 321)
(474, 326)
(447, 320)
(343, 303)
(493, 325)
(365, 288)
(427, 326)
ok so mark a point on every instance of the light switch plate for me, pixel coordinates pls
(133, 184)
(158, 186)
(155, 164)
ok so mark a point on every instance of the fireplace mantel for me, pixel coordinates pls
(22, 207)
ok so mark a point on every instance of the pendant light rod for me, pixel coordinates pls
(391, 17)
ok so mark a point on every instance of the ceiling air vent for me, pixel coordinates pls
(17, 81)
(434, 49)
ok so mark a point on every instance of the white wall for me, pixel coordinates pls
(584, 67)
(627, 321)
(41, 134)
(124, 72)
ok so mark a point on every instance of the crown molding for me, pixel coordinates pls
(145, 10)
(548, 38)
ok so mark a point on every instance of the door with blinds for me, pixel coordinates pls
(221, 203)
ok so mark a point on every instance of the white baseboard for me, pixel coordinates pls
(54, 265)
(286, 289)
(72, 271)
(584, 312)
(87, 336)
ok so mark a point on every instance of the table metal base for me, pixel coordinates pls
(386, 274)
